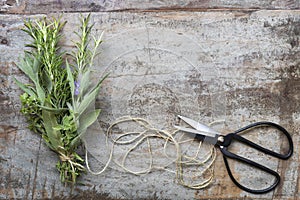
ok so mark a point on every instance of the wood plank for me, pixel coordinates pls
(248, 59)
(46, 6)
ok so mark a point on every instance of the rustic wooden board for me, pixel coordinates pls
(251, 56)
(46, 6)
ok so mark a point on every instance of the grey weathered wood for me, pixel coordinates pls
(46, 6)
(255, 56)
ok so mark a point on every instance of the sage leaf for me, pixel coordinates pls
(87, 100)
(53, 135)
(40, 92)
(87, 120)
(26, 66)
(47, 81)
(25, 88)
(85, 82)
(70, 79)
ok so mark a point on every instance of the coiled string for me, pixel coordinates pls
(183, 162)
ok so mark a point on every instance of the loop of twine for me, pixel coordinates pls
(180, 160)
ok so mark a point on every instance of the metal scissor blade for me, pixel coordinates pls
(206, 137)
(200, 127)
(190, 130)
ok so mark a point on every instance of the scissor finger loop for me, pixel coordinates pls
(207, 134)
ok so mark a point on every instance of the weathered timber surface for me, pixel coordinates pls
(44, 6)
(238, 66)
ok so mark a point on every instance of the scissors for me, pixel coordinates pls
(207, 134)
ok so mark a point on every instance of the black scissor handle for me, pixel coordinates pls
(235, 136)
(227, 154)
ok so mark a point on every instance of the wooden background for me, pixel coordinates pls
(254, 45)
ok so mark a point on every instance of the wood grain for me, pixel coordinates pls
(255, 55)
(46, 6)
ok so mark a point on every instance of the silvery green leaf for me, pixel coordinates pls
(26, 67)
(40, 92)
(58, 127)
(85, 82)
(69, 106)
(25, 88)
(47, 81)
(87, 100)
(50, 122)
(29, 67)
(89, 97)
(54, 110)
(87, 120)
(46, 139)
(74, 143)
(35, 66)
(70, 79)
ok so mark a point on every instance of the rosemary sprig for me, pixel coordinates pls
(56, 100)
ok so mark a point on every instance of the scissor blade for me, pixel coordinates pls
(190, 130)
(200, 127)
(206, 137)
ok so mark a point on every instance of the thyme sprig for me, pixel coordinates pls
(56, 101)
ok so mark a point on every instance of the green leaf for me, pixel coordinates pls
(40, 92)
(26, 66)
(29, 65)
(47, 141)
(47, 81)
(50, 122)
(87, 120)
(87, 100)
(70, 79)
(35, 66)
(25, 88)
(54, 110)
(78, 157)
(70, 107)
(89, 97)
(58, 127)
(85, 82)
(74, 143)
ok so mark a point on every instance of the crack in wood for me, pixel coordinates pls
(36, 170)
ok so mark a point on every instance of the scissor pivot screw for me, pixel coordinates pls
(221, 139)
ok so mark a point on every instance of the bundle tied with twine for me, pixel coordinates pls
(170, 150)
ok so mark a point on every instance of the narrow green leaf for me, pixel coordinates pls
(100, 82)
(87, 120)
(78, 157)
(25, 88)
(70, 79)
(40, 92)
(50, 122)
(46, 139)
(26, 67)
(55, 110)
(47, 81)
(74, 143)
(85, 82)
(70, 107)
(90, 97)
(35, 66)
(87, 100)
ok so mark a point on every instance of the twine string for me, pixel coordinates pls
(181, 160)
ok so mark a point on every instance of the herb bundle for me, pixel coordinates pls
(56, 101)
